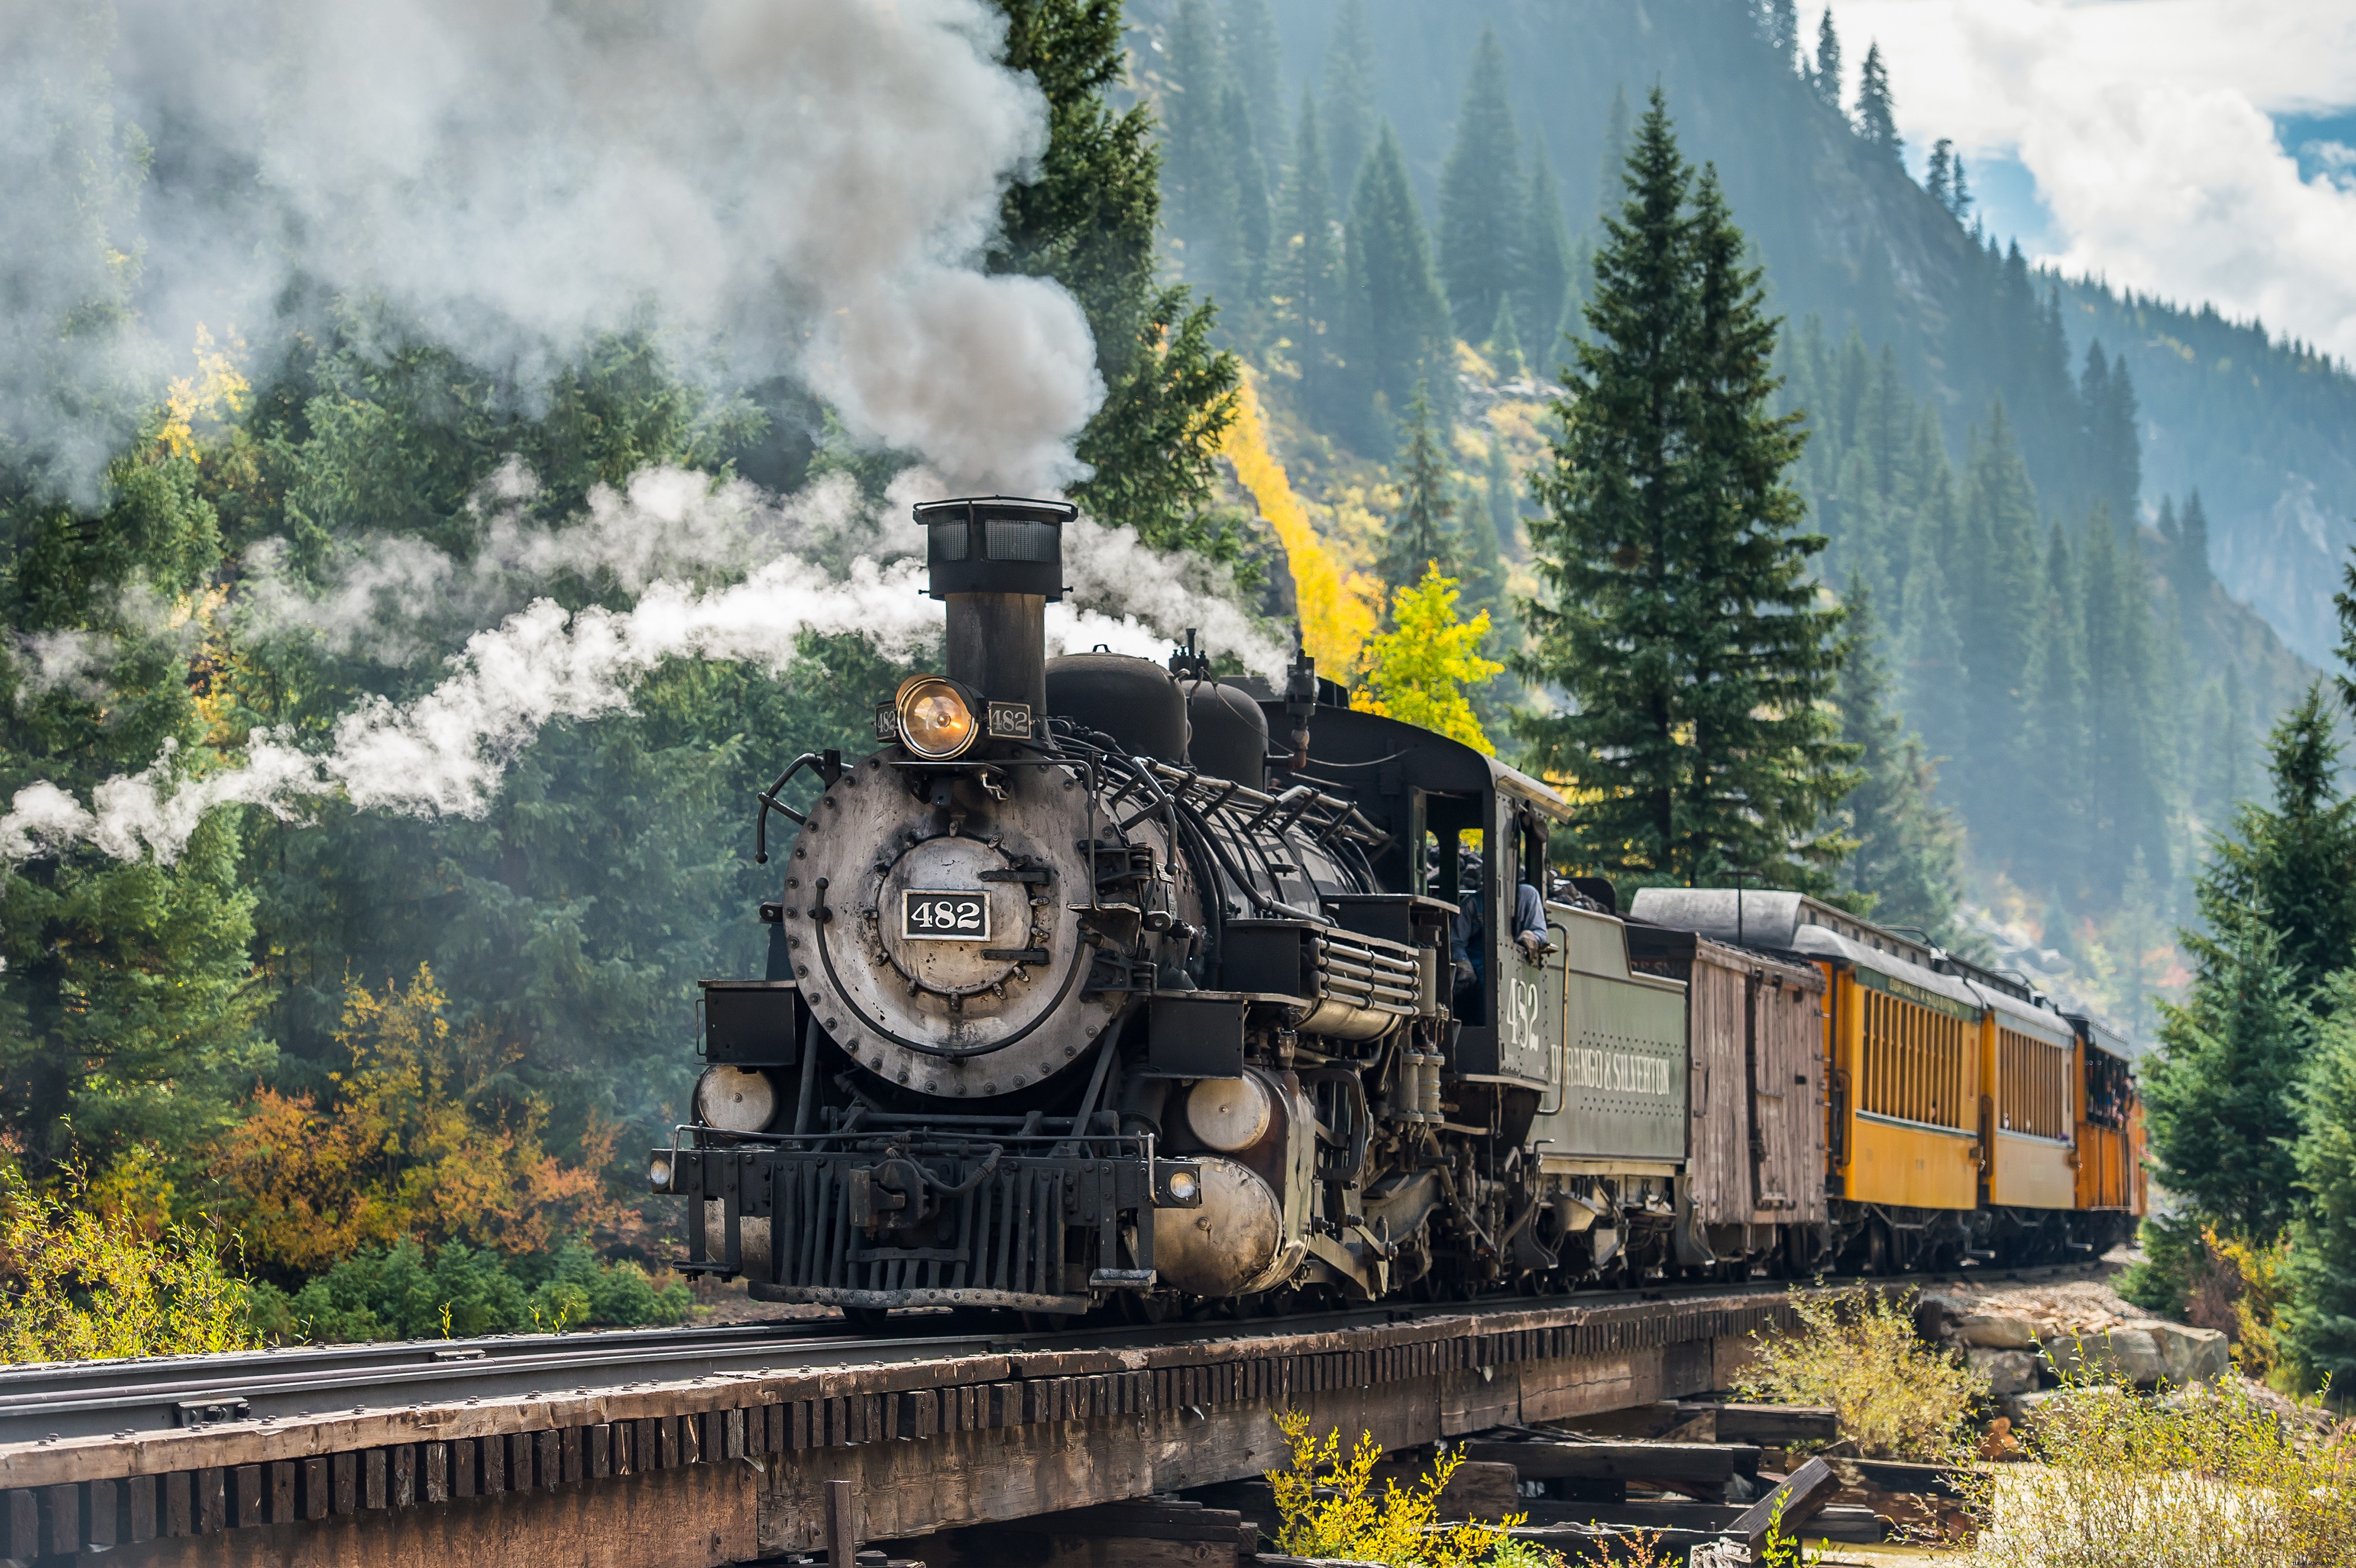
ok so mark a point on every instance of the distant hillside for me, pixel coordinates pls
(2055, 501)
(2266, 433)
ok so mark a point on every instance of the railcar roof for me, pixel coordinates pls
(1352, 745)
(1768, 918)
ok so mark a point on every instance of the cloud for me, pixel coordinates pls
(2149, 127)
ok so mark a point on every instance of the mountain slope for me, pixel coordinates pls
(2265, 432)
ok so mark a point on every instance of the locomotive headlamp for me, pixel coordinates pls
(936, 721)
(658, 1171)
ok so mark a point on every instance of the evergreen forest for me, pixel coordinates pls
(1463, 339)
(2033, 500)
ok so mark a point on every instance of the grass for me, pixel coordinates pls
(1856, 1351)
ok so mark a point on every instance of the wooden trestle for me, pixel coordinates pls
(728, 1468)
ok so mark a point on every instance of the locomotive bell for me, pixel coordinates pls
(997, 560)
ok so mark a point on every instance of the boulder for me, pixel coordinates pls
(2021, 1409)
(2127, 1354)
(1993, 1331)
(2007, 1371)
(2189, 1354)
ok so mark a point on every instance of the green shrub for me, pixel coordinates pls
(1856, 1351)
(397, 1294)
(2204, 1478)
(2174, 1259)
(75, 1285)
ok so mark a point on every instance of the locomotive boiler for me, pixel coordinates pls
(1102, 985)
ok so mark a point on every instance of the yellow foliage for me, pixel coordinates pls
(76, 1285)
(135, 1193)
(2256, 1269)
(1417, 673)
(1857, 1352)
(416, 1147)
(216, 391)
(1322, 1503)
(1337, 611)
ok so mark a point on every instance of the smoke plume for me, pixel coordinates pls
(443, 753)
(776, 187)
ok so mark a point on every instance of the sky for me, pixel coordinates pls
(2195, 149)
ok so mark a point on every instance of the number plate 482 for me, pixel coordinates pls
(944, 917)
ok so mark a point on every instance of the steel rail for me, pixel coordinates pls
(124, 1397)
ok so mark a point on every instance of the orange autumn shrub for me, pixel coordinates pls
(424, 1140)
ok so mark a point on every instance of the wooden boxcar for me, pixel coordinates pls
(1756, 1032)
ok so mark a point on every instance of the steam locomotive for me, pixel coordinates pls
(1079, 997)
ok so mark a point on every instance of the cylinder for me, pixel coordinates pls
(997, 560)
(1427, 1085)
(998, 646)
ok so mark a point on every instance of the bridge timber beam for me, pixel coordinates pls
(725, 1468)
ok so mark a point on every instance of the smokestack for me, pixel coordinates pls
(997, 560)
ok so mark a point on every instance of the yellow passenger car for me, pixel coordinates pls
(2112, 1189)
(1964, 1116)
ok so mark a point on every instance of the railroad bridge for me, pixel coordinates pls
(693, 1447)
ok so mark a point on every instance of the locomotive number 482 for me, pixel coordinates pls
(944, 917)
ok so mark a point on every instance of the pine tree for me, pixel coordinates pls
(1482, 224)
(1424, 532)
(1572, 314)
(1546, 265)
(1399, 333)
(1932, 659)
(1906, 850)
(2317, 1323)
(1611, 178)
(1244, 269)
(1198, 178)
(1504, 341)
(2115, 448)
(1779, 28)
(1944, 180)
(2050, 812)
(2126, 814)
(1349, 114)
(1996, 595)
(1678, 615)
(2219, 1094)
(1826, 79)
(1939, 173)
(1503, 496)
(1311, 305)
(1254, 53)
(1877, 116)
(2189, 560)
(128, 989)
(2218, 752)
(1088, 221)
(2291, 867)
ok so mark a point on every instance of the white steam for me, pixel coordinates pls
(801, 188)
(779, 187)
(444, 752)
